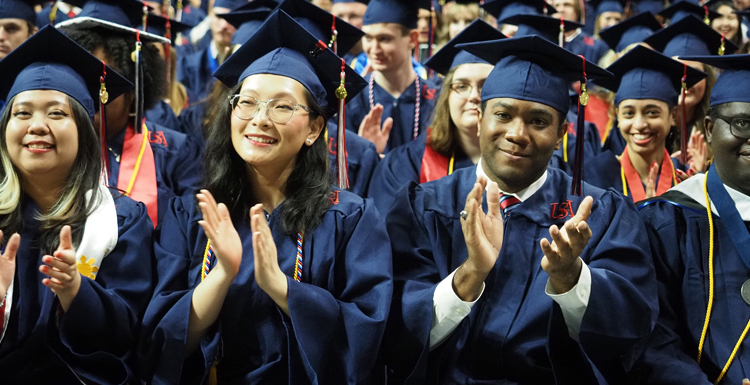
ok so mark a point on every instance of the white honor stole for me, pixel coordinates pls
(99, 239)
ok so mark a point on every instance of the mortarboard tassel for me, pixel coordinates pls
(53, 13)
(136, 57)
(168, 52)
(431, 39)
(684, 136)
(341, 163)
(583, 100)
(178, 11)
(103, 99)
(333, 45)
(561, 35)
(483, 13)
(705, 15)
(721, 47)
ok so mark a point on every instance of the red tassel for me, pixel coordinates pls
(168, 52)
(684, 136)
(341, 163)
(103, 99)
(334, 37)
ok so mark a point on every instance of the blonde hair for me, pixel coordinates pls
(443, 135)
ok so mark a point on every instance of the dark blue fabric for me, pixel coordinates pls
(591, 147)
(584, 44)
(402, 12)
(735, 75)
(680, 240)
(401, 166)
(515, 332)
(177, 159)
(401, 109)
(17, 9)
(42, 18)
(604, 171)
(195, 74)
(361, 156)
(338, 311)
(449, 56)
(97, 336)
(163, 115)
(191, 121)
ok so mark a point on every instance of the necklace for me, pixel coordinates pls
(117, 156)
(417, 104)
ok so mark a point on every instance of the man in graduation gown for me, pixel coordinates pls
(395, 91)
(702, 260)
(556, 288)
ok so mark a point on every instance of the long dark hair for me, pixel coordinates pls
(72, 208)
(308, 189)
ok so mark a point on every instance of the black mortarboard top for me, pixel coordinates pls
(124, 16)
(545, 26)
(402, 12)
(229, 4)
(319, 22)
(643, 73)
(630, 31)
(690, 36)
(450, 57)
(18, 9)
(534, 69)
(684, 8)
(49, 60)
(602, 6)
(653, 6)
(158, 26)
(283, 47)
(731, 86)
(503, 9)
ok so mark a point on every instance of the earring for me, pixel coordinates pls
(309, 141)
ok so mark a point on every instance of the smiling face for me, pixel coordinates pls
(41, 135)
(645, 125)
(464, 107)
(387, 47)
(728, 23)
(517, 139)
(263, 143)
(731, 154)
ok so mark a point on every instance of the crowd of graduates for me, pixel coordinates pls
(374, 192)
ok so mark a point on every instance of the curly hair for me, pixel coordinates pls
(118, 46)
(308, 189)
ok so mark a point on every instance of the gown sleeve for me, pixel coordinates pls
(96, 337)
(339, 328)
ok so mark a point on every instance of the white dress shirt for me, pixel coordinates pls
(448, 310)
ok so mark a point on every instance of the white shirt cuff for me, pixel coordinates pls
(573, 303)
(447, 310)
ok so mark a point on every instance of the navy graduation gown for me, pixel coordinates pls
(401, 110)
(362, 157)
(42, 17)
(194, 72)
(338, 311)
(95, 340)
(584, 44)
(401, 166)
(177, 160)
(614, 140)
(678, 229)
(191, 120)
(591, 145)
(515, 332)
(604, 171)
(163, 115)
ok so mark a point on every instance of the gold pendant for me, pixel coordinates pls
(104, 96)
(341, 92)
(584, 98)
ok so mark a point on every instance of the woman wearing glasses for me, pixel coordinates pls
(272, 275)
(452, 141)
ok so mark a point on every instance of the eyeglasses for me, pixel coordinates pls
(464, 89)
(738, 126)
(278, 110)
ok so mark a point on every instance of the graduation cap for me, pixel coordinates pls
(630, 31)
(340, 35)
(602, 6)
(365, 2)
(503, 9)
(167, 28)
(229, 4)
(653, 6)
(18, 9)
(283, 47)
(548, 27)
(690, 36)
(450, 57)
(731, 86)
(534, 69)
(684, 8)
(247, 22)
(643, 73)
(402, 12)
(49, 60)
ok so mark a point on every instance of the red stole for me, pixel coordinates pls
(630, 177)
(434, 164)
(138, 172)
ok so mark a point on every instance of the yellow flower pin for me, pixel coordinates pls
(86, 267)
